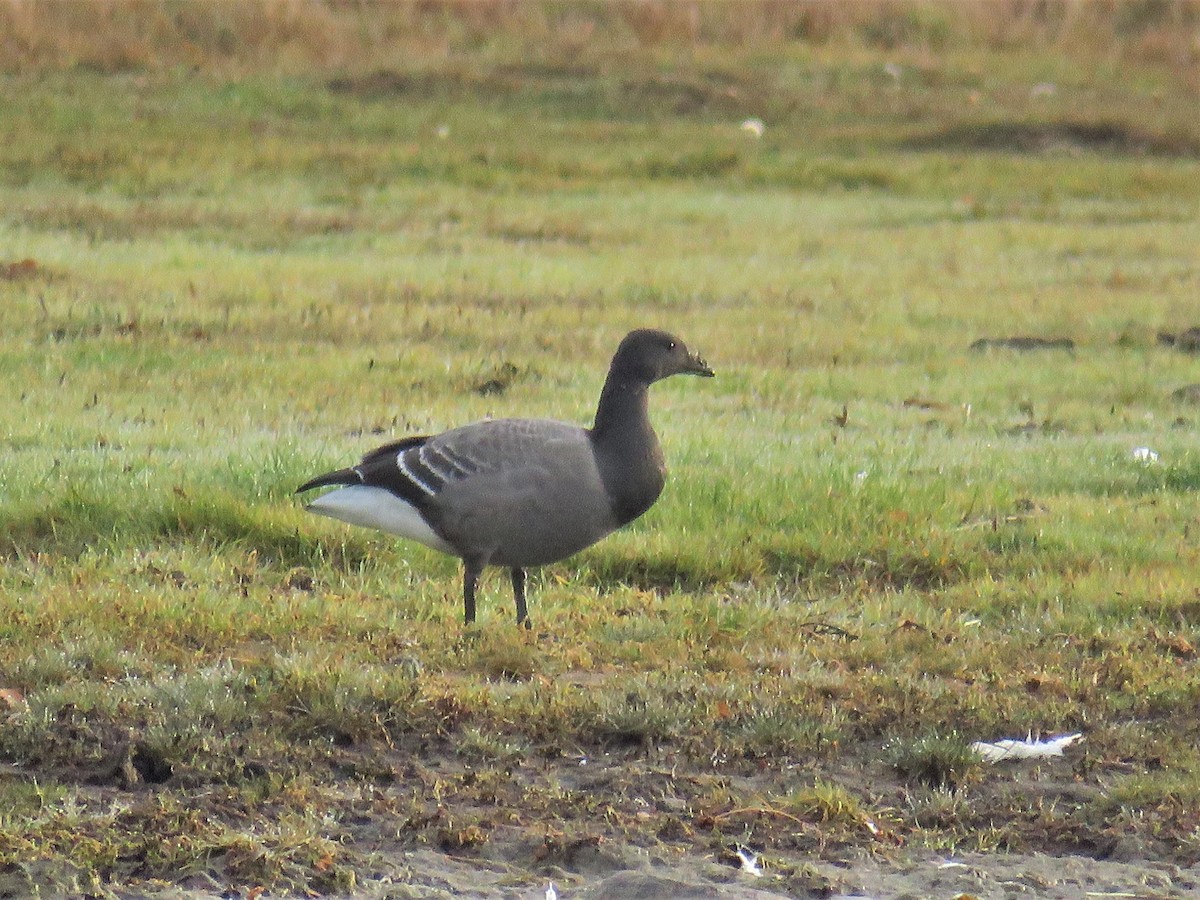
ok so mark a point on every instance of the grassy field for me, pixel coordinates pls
(875, 546)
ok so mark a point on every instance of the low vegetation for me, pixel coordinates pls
(877, 545)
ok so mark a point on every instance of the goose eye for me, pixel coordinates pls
(671, 346)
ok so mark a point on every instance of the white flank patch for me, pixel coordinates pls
(1000, 751)
(374, 507)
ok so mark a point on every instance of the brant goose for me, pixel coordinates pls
(520, 492)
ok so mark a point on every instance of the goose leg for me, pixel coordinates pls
(518, 583)
(471, 573)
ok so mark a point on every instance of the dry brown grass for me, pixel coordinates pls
(134, 35)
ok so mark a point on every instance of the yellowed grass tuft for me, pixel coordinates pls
(135, 35)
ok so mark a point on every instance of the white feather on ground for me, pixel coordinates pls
(1012, 749)
(749, 862)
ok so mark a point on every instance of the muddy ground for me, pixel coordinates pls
(627, 873)
(924, 876)
(427, 822)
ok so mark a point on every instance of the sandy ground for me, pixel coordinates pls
(510, 870)
(631, 875)
(981, 876)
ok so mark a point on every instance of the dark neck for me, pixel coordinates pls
(627, 449)
(623, 405)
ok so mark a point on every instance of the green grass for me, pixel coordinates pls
(872, 538)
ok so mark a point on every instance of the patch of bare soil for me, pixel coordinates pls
(424, 818)
(1022, 343)
(628, 873)
(1056, 137)
(1187, 341)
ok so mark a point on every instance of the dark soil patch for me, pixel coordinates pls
(1022, 343)
(1189, 393)
(498, 380)
(683, 96)
(1054, 137)
(661, 575)
(86, 748)
(573, 90)
(385, 83)
(1187, 341)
